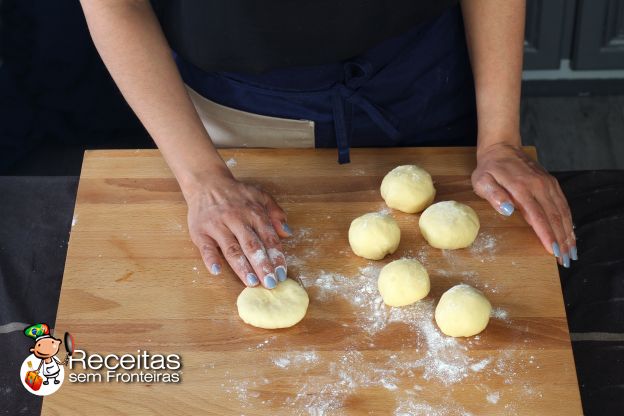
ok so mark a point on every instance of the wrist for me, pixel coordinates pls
(488, 142)
(192, 181)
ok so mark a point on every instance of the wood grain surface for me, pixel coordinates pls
(134, 281)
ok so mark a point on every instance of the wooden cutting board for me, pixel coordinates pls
(134, 281)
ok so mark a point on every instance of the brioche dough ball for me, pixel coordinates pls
(403, 282)
(449, 225)
(281, 307)
(408, 188)
(462, 311)
(374, 235)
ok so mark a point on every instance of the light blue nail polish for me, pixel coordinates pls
(573, 253)
(556, 250)
(269, 281)
(281, 273)
(566, 261)
(215, 269)
(286, 229)
(507, 208)
(252, 279)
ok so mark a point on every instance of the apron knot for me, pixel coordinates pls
(345, 96)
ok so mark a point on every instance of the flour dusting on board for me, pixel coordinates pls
(484, 247)
(322, 384)
(323, 381)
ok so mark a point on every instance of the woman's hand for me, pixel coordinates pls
(506, 177)
(245, 223)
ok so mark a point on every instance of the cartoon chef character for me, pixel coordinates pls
(45, 348)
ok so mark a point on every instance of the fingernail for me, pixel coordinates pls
(269, 281)
(573, 253)
(286, 229)
(555, 248)
(215, 269)
(566, 261)
(281, 273)
(506, 208)
(252, 279)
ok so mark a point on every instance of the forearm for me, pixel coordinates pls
(495, 38)
(131, 43)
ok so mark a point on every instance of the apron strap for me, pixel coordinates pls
(343, 134)
(343, 95)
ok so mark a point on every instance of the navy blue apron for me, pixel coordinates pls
(412, 90)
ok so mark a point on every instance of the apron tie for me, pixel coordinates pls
(343, 95)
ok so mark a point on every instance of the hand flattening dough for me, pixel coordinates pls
(403, 282)
(374, 235)
(408, 188)
(281, 307)
(449, 225)
(462, 311)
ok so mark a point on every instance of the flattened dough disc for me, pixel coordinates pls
(281, 307)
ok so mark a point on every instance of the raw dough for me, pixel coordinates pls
(374, 235)
(408, 188)
(281, 307)
(463, 311)
(449, 225)
(403, 282)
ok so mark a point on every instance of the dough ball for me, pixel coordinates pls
(403, 282)
(462, 311)
(374, 235)
(408, 188)
(449, 225)
(281, 307)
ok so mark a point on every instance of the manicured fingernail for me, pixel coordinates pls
(506, 208)
(556, 250)
(573, 253)
(281, 273)
(286, 229)
(269, 281)
(252, 279)
(215, 269)
(566, 261)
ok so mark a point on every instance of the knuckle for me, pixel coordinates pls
(539, 218)
(553, 181)
(252, 244)
(254, 209)
(209, 226)
(277, 256)
(231, 216)
(555, 218)
(272, 240)
(207, 250)
(536, 181)
(521, 191)
(233, 250)
(196, 238)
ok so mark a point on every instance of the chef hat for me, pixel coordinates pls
(38, 331)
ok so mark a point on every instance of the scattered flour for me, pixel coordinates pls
(74, 220)
(231, 162)
(295, 359)
(484, 247)
(411, 408)
(323, 384)
(500, 313)
(480, 365)
(493, 397)
(303, 237)
(275, 254)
